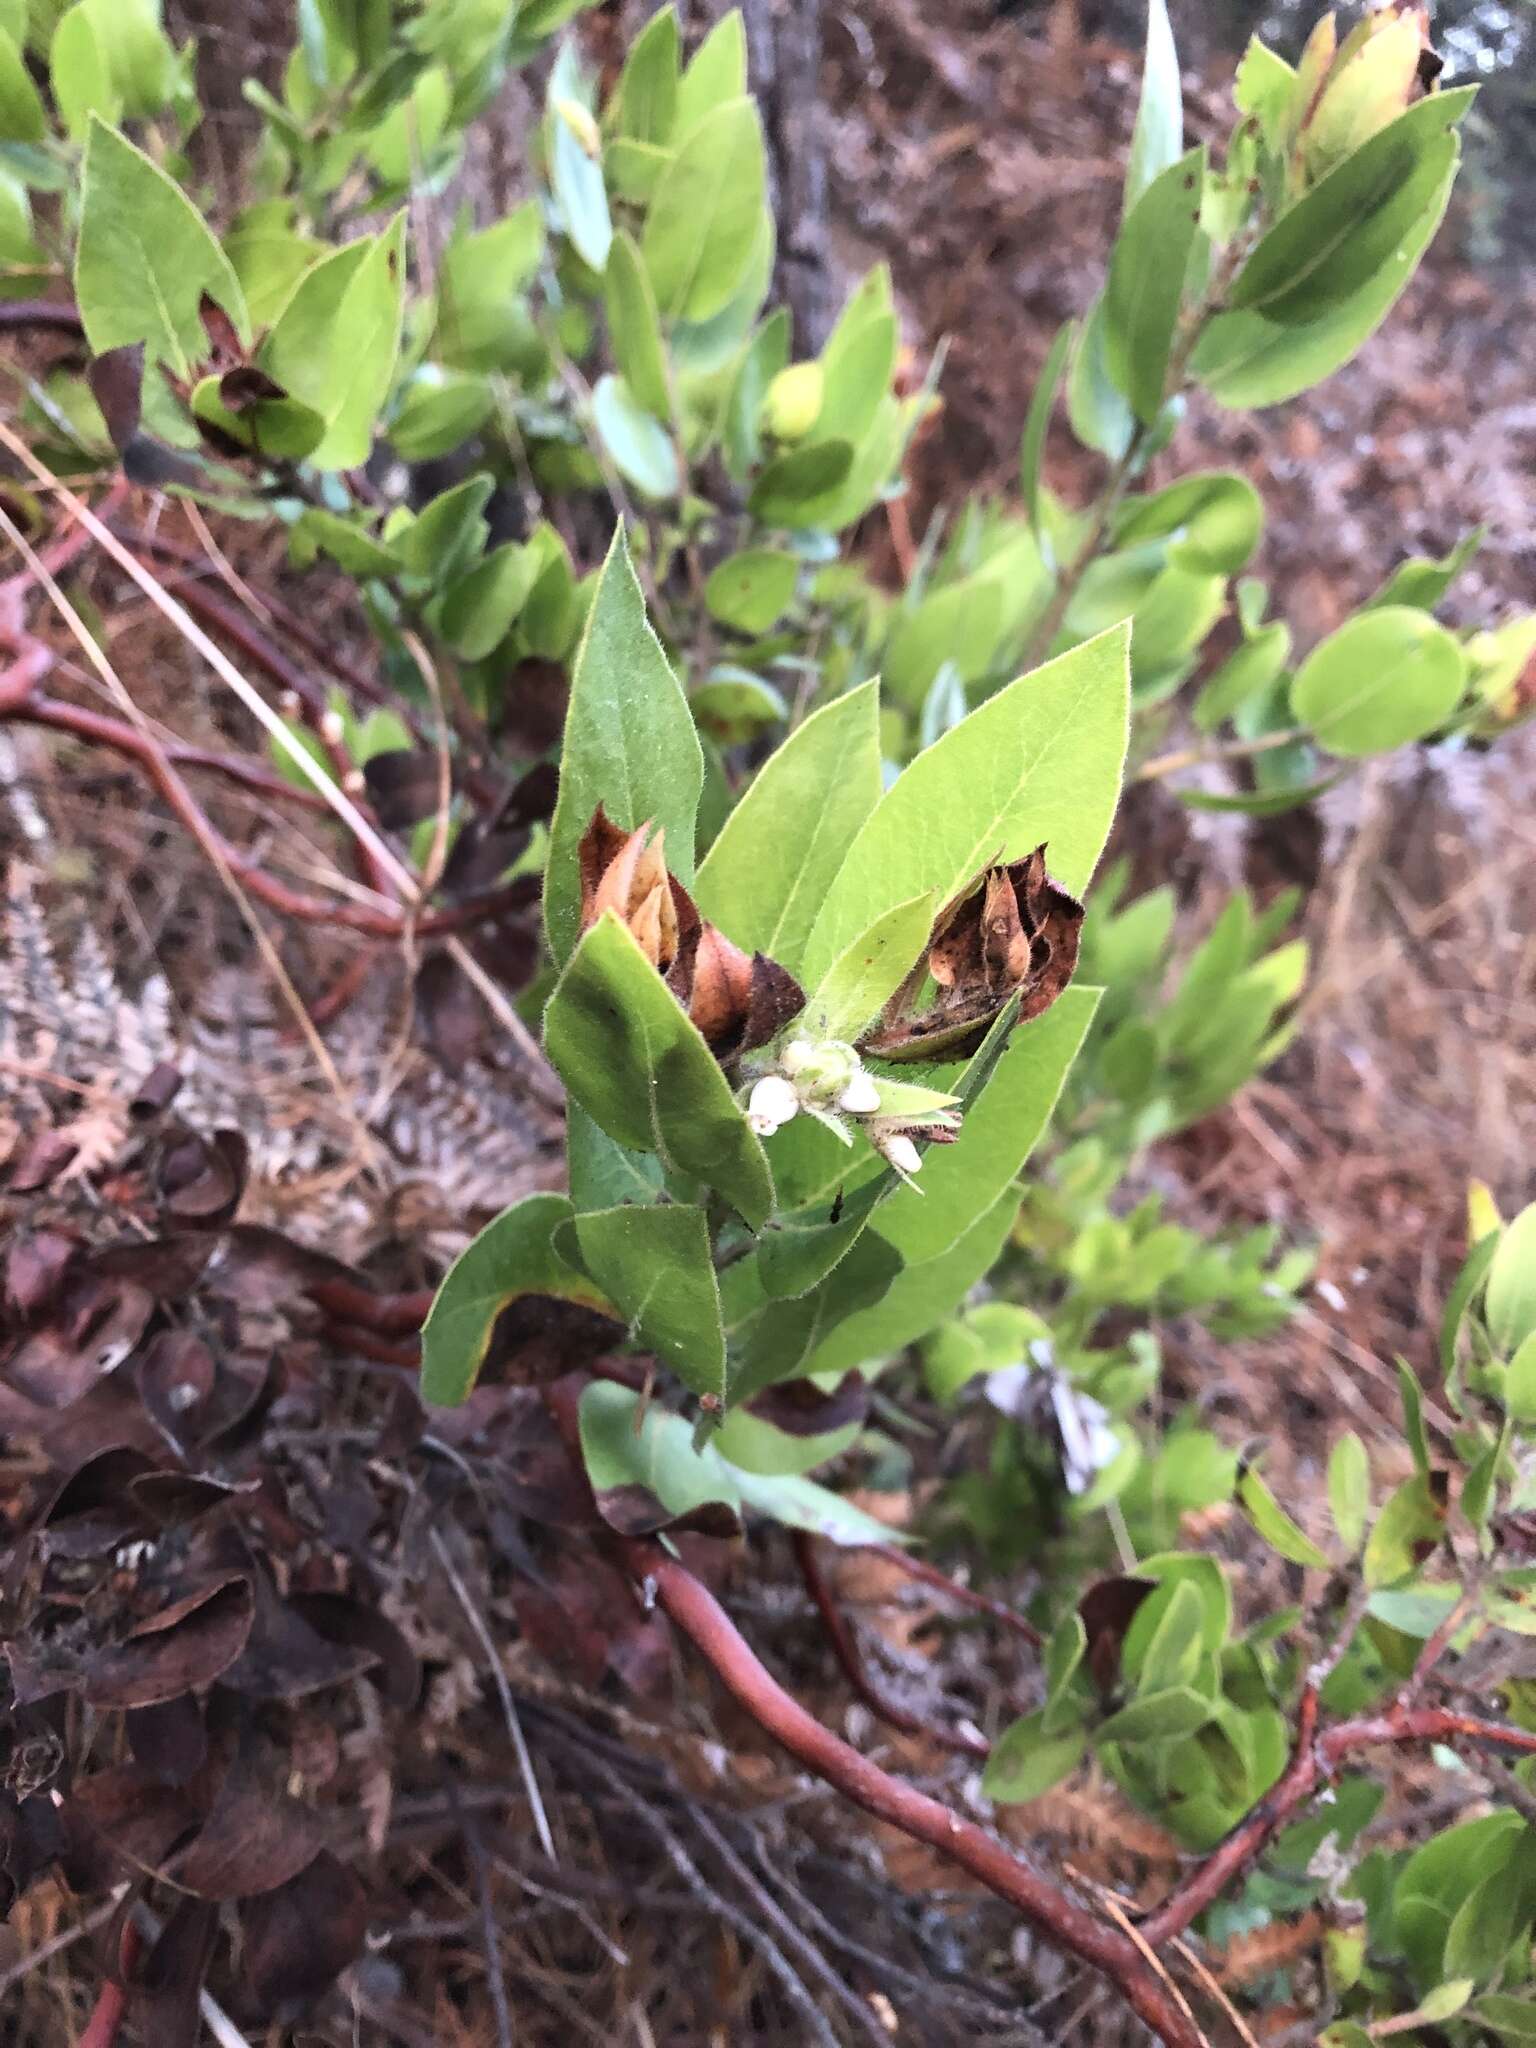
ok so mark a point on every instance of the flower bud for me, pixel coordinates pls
(793, 401)
(902, 1153)
(771, 1105)
(861, 1097)
(822, 1072)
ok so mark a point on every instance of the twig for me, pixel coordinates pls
(495, 1981)
(476, 1621)
(788, 1932)
(35, 1958)
(55, 316)
(850, 1657)
(929, 1575)
(1232, 750)
(696, 1612)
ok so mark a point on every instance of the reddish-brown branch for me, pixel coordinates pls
(102, 731)
(1070, 1926)
(112, 1999)
(856, 1671)
(965, 1596)
(386, 1315)
(57, 316)
(1316, 1760)
(160, 764)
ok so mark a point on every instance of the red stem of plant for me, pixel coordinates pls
(846, 1645)
(159, 764)
(1317, 1759)
(125, 739)
(966, 1596)
(112, 1999)
(56, 315)
(700, 1617)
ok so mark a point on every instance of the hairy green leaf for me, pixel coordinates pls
(639, 1068)
(512, 1257)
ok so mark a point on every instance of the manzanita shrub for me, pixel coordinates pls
(815, 969)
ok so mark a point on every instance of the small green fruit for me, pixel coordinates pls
(793, 401)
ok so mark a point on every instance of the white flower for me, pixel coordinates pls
(861, 1097)
(771, 1104)
(902, 1153)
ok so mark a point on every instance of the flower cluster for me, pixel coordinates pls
(828, 1081)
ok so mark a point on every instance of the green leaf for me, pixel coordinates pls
(857, 986)
(1383, 678)
(630, 744)
(753, 1445)
(919, 1297)
(701, 230)
(412, 129)
(1275, 1525)
(1245, 360)
(717, 73)
(641, 449)
(639, 1068)
(647, 91)
(438, 412)
(1464, 1290)
(22, 118)
(634, 326)
(145, 258)
(1039, 761)
(1247, 674)
(1158, 137)
(334, 345)
(575, 175)
(741, 419)
(480, 323)
(1512, 2019)
(767, 875)
(1037, 424)
(1026, 1760)
(1510, 1301)
(1336, 238)
(1064, 1654)
(269, 257)
(1413, 1418)
(1349, 1490)
(1423, 580)
(790, 488)
(80, 74)
(346, 542)
(959, 623)
(447, 532)
(1519, 1390)
(753, 590)
(1003, 1124)
(1445, 2001)
(733, 705)
(1264, 88)
(1156, 1717)
(1146, 283)
(604, 1174)
(513, 1256)
(857, 361)
(1214, 519)
(1406, 1531)
(656, 1450)
(1101, 415)
(1174, 1655)
(478, 611)
(654, 1265)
